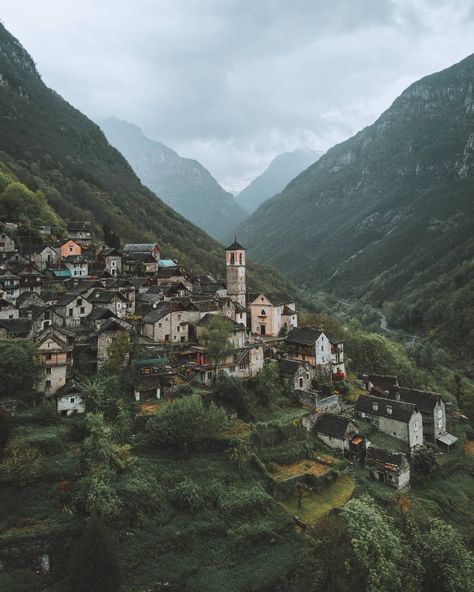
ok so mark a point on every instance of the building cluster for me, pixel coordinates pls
(74, 299)
(78, 301)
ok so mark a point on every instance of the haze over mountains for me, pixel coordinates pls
(388, 215)
(53, 148)
(182, 183)
(275, 178)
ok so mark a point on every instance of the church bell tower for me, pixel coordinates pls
(235, 265)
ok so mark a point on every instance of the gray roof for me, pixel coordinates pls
(289, 367)
(303, 335)
(426, 401)
(139, 247)
(235, 246)
(399, 411)
(332, 425)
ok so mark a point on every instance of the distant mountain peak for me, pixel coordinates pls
(282, 169)
(184, 183)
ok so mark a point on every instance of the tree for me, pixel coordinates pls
(230, 391)
(22, 462)
(100, 450)
(217, 339)
(448, 565)
(95, 565)
(330, 325)
(6, 426)
(267, 387)
(17, 367)
(377, 545)
(424, 459)
(93, 393)
(118, 352)
(186, 422)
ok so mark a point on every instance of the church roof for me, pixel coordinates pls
(235, 246)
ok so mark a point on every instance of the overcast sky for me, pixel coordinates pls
(233, 83)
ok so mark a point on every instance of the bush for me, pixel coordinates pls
(186, 422)
(186, 495)
(22, 462)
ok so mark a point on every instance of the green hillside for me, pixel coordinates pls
(388, 215)
(50, 146)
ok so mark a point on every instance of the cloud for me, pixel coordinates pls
(234, 82)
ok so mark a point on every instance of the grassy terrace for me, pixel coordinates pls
(316, 505)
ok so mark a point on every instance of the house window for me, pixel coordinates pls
(440, 423)
(71, 249)
(263, 313)
(49, 356)
(70, 312)
(301, 382)
(389, 410)
(231, 368)
(322, 348)
(375, 406)
(416, 426)
(47, 384)
(232, 259)
(242, 366)
(72, 400)
(240, 259)
(209, 375)
(48, 370)
(83, 310)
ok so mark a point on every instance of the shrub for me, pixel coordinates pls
(186, 495)
(22, 462)
(186, 422)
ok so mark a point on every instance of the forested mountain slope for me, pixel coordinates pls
(50, 146)
(276, 176)
(183, 183)
(388, 215)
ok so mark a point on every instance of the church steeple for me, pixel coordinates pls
(235, 264)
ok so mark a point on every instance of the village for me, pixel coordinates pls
(81, 301)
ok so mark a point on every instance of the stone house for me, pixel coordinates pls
(78, 265)
(242, 363)
(54, 361)
(400, 420)
(73, 309)
(7, 245)
(9, 285)
(30, 278)
(295, 375)
(388, 467)
(47, 257)
(233, 309)
(310, 345)
(80, 231)
(69, 399)
(114, 300)
(167, 322)
(8, 310)
(337, 432)
(431, 407)
(105, 335)
(270, 315)
(112, 260)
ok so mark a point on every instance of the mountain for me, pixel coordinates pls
(182, 183)
(275, 178)
(388, 215)
(59, 153)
